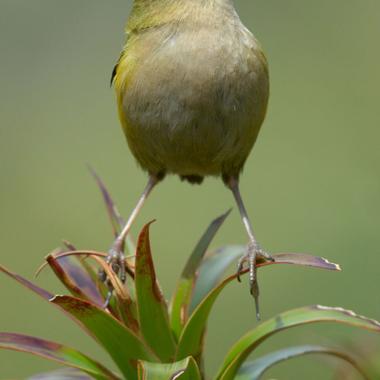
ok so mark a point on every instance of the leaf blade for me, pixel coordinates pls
(61, 374)
(151, 305)
(213, 267)
(185, 369)
(212, 270)
(182, 296)
(305, 315)
(191, 338)
(256, 369)
(115, 218)
(27, 284)
(55, 352)
(74, 278)
(122, 344)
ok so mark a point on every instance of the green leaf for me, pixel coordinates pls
(55, 352)
(191, 339)
(256, 369)
(182, 296)
(61, 374)
(292, 318)
(185, 369)
(212, 269)
(151, 305)
(122, 344)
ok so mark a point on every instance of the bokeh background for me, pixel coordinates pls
(312, 183)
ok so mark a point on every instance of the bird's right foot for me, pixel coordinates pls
(254, 252)
(116, 260)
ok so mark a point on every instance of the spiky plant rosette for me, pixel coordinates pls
(149, 339)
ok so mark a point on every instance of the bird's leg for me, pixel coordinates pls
(254, 250)
(116, 258)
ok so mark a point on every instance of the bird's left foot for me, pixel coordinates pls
(254, 254)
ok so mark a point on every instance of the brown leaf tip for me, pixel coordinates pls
(79, 307)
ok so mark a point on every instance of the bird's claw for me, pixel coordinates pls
(254, 252)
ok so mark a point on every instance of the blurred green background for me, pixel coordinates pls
(312, 183)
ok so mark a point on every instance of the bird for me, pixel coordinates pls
(192, 89)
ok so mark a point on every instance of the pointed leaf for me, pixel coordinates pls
(256, 369)
(55, 352)
(212, 270)
(191, 339)
(85, 325)
(180, 302)
(61, 374)
(185, 369)
(37, 290)
(101, 286)
(122, 344)
(116, 220)
(103, 290)
(305, 260)
(76, 280)
(292, 318)
(152, 308)
(88, 269)
(27, 284)
(122, 306)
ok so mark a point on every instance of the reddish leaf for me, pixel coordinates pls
(55, 352)
(152, 308)
(92, 273)
(41, 292)
(121, 343)
(76, 280)
(125, 308)
(116, 220)
(304, 259)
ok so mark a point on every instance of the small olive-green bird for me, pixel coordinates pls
(192, 92)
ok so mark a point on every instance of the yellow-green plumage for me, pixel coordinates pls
(192, 88)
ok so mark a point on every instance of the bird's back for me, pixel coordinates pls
(192, 91)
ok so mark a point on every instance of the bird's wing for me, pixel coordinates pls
(114, 71)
